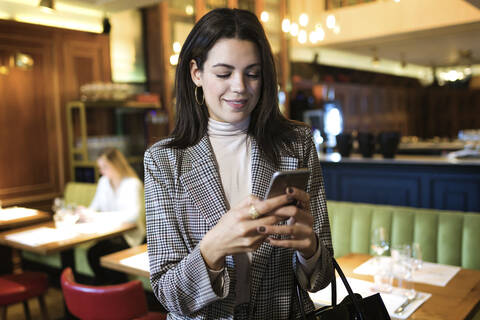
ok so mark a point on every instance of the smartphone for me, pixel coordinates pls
(281, 180)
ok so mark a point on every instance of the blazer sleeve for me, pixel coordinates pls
(178, 275)
(323, 272)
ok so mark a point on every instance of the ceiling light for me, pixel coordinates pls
(294, 29)
(189, 10)
(320, 32)
(177, 47)
(286, 25)
(303, 19)
(264, 16)
(331, 21)
(174, 59)
(302, 36)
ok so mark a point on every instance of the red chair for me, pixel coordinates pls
(120, 301)
(15, 288)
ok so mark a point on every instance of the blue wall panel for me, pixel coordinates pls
(450, 187)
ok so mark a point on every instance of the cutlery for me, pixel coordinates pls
(406, 303)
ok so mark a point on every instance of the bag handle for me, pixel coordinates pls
(334, 292)
(349, 289)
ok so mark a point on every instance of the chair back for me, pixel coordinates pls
(121, 301)
(79, 193)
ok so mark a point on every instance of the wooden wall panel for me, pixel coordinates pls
(33, 153)
(30, 137)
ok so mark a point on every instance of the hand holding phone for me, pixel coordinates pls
(281, 180)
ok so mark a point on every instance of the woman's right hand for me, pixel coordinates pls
(236, 231)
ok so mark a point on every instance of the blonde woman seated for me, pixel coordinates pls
(118, 199)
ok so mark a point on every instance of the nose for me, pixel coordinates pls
(238, 83)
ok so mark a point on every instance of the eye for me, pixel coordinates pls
(253, 75)
(224, 75)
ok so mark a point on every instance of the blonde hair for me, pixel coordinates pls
(119, 162)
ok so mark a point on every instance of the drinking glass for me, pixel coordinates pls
(383, 276)
(58, 204)
(380, 241)
(403, 268)
(417, 256)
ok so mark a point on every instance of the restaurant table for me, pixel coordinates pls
(15, 217)
(115, 261)
(64, 246)
(37, 216)
(459, 299)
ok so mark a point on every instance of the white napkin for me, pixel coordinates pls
(40, 236)
(430, 273)
(138, 261)
(16, 213)
(391, 300)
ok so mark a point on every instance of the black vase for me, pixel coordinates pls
(344, 144)
(366, 144)
(389, 143)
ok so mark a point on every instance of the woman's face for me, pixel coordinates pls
(105, 167)
(231, 79)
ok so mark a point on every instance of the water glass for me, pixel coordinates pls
(417, 258)
(383, 276)
(403, 268)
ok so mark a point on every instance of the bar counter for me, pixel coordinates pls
(436, 182)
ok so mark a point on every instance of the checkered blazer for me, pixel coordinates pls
(184, 199)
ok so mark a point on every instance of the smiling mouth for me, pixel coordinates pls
(237, 101)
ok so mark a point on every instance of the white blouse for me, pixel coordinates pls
(125, 204)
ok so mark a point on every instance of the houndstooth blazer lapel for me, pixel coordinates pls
(203, 182)
(262, 171)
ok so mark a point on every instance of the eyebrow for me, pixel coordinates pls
(232, 67)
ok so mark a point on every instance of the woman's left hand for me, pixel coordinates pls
(299, 227)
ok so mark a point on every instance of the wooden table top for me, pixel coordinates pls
(58, 246)
(39, 217)
(113, 261)
(459, 298)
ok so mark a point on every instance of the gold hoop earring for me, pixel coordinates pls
(196, 97)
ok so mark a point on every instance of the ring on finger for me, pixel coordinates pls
(253, 212)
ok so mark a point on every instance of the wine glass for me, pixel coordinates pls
(379, 241)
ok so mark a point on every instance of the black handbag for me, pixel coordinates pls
(352, 307)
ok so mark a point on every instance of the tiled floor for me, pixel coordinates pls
(53, 299)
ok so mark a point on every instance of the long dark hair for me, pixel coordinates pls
(272, 131)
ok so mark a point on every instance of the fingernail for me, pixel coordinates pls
(289, 190)
(261, 229)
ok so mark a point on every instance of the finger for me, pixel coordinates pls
(296, 231)
(288, 243)
(300, 195)
(294, 214)
(252, 225)
(247, 201)
(266, 206)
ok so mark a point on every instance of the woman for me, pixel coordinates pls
(118, 199)
(214, 246)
